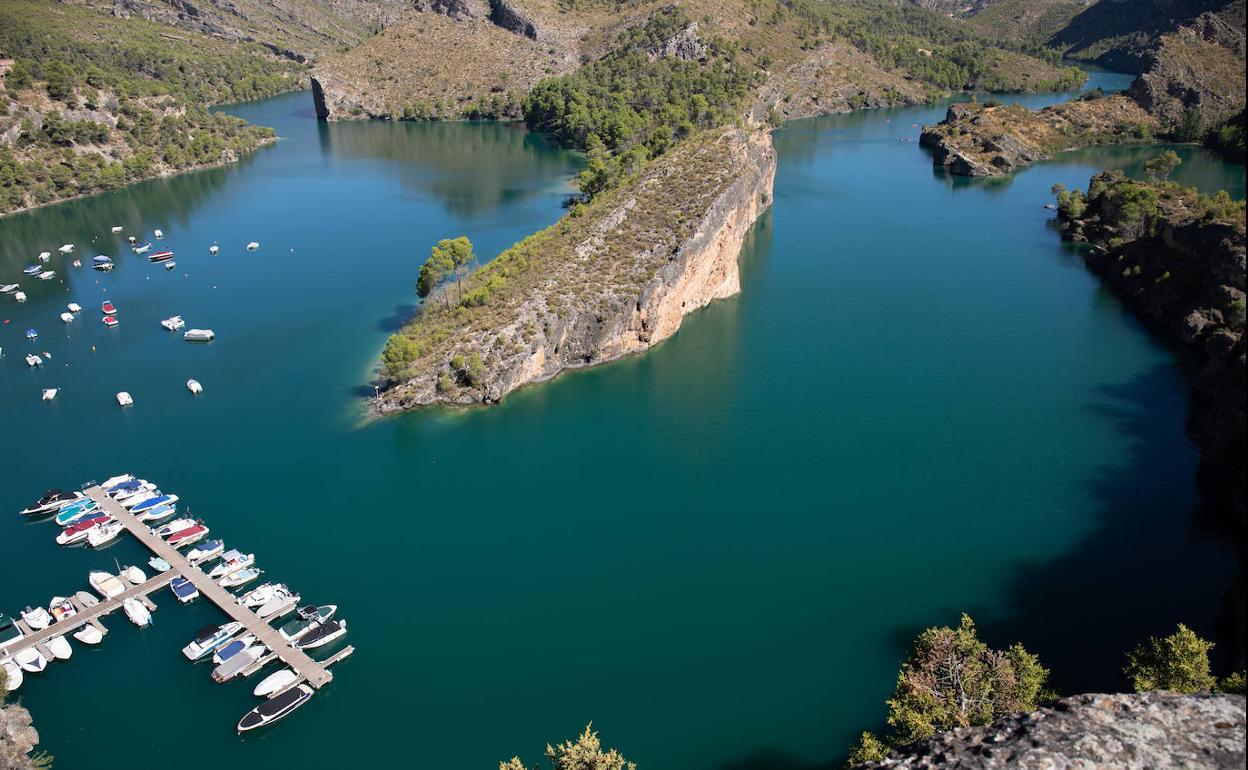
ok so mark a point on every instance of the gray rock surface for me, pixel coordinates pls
(17, 738)
(1141, 731)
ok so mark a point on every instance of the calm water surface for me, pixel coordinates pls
(920, 404)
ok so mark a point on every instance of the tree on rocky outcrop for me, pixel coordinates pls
(952, 679)
(1178, 662)
(584, 754)
(869, 748)
(449, 259)
(1163, 165)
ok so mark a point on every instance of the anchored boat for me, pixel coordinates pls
(275, 708)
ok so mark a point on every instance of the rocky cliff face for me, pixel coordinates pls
(1199, 68)
(17, 738)
(610, 283)
(1142, 731)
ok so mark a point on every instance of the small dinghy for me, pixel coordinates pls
(110, 320)
(184, 589)
(59, 647)
(67, 248)
(173, 323)
(199, 335)
(253, 245)
(49, 393)
(74, 307)
(44, 256)
(138, 614)
(213, 249)
(106, 585)
(194, 387)
(47, 275)
(278, 707)
(158, 233)
(124, 399)
(134, 575)
(170, 265)
(159, 564)
(20, 296)
(33, 360)
(36, 617)
(141, 249)
(86, 599)
(9, 288)
(117, 228)
(31, 660)
(67, 317)
(88, 634)
(275, 682)
(31, 334)
(61, 608)
(104, 534)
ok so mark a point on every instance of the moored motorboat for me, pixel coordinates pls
(173, 323)
(275, 708)
(177, 525)
(160, 256)
(283, 599)
(88, 634)
(36, 617)
(74, 307)
(106, 585)
(209, 638)
(67, 317)
(61, 608)
(205, 550)
(86, 599)
(104, 534)
(128, 489)
(124, 398)
(110, 320)
(241, 577)
(184, 589)
(153, 515)
(119, 483)
(199, 335)
(159, 564)
(253, 245)
(31, 660)
(13, 675)
(9, 631)
(237, 664)
(33, 360)
(50, 393)
(306, 619)
(194, 387)
(108, 308)
(153, 502)
(133, 574)
(258, 595)
(133, 501)
(322, 635)
(213, 249)
(59, 647)
(232, 648)
(75, 511)
(275, 682)
(142, 247)
(231, 560)
(188, 536)
(78, 531)
(53, 500)
(138, 614)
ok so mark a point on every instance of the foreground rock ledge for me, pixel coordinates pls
(1142, 731)
(615, 280)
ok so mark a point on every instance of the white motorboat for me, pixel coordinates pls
(112, 481)
(283, 599)
(133, 574)
(242, 576)
(205, 550)
(88, 634)
(74, 307)
(53, 500)
(50, 393)
(132, 239)
(194, 387)
(104, 534)
(174, 527)
(86, 599)
(12, 674)
(184, 590)
(61, 608)
(138, 614)
(173, 323)
(210, 638)
(231, 560)
(129, 490)
(124, 399)
(253, 245)
(9, 288)
(158, 233)
(153, 515)
(232, 648)
(213, 249)
(44, 256)
(237, 664)
(31, 660)
(116, 228)
(106, 585)
(36, 617)
(47, 275)
(67, 248)
(33, 360)
(199, 335)
(259, 595)
(322, 635)
(67, 318)
(20, 296)
(275, 708)
(275, 682)
(59, 647)
(309, 617)
(159, 564)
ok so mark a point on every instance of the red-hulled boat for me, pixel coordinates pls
(110, 320)
(187, 536)
(160, 256)
(78, 532)
(108, 308)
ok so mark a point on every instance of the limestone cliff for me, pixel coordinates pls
(1142, 731)
(17, 738)
(614, 280)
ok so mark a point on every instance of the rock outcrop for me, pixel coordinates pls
(1141, 731)
(18, 738)
(608, 283)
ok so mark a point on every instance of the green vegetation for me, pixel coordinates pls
(631, 106)
(584, 754)
(1133, 208)
(97, 102)
(952, 679)
(1178, 662)
(1162, 166)
(1228, 139)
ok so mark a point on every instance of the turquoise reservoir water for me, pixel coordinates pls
(920, 404)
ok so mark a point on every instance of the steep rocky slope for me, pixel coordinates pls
(616, 278)
(17, 738)
(1119, 33)
(1144, 731)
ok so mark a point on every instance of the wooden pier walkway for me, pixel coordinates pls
(304, 667)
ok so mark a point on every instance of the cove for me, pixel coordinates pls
(921, 403)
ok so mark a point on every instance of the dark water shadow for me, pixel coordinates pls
(401, 315)
(1144, 566)
(773, 758)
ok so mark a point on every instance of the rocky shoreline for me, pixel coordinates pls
(657, 250)
(18, 738)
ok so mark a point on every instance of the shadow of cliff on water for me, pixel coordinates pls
(1145, 565)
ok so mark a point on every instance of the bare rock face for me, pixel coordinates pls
(17, 738)
(1197, 68)
(686, 45)
(1141, 731)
